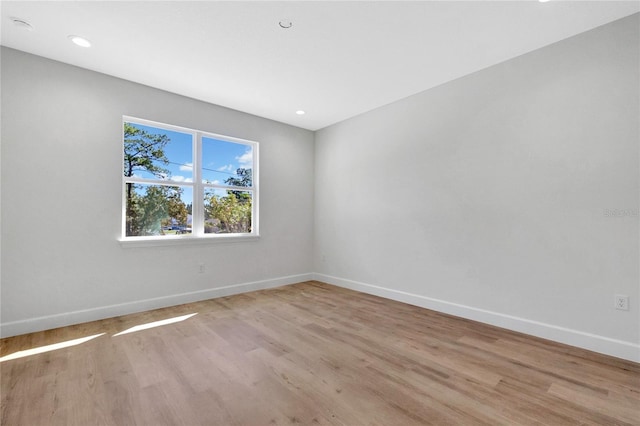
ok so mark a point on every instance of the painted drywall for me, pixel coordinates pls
(61, 197)
(509, 195)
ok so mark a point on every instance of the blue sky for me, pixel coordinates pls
(221, 159)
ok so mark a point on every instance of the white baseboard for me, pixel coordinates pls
(76, 317)
(617, 348)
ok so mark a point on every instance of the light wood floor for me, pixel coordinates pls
(310, 354)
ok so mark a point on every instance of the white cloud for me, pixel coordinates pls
(227, 168)
(246, 159)
(186, 167)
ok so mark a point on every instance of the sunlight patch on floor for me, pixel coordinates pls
(48, 348)
(155, 324)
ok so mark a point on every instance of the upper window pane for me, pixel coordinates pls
(226, 163)
(156, 153)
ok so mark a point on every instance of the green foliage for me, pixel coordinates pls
(155, 209)
(176, 207)
(232, 213)
(142, 150)
(244, 178)
(229, 214)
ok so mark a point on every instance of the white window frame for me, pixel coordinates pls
(197, 234)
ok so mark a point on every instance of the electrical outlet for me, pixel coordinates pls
(201, 268)
(621, 302)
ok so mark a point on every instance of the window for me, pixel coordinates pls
(181, 183)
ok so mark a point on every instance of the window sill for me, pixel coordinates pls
(184, 240)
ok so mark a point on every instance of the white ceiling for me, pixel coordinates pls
(339, 59)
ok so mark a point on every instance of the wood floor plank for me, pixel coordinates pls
(309, 353)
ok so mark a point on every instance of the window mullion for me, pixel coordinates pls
(197, 215)
(164, 182)
(228, 187)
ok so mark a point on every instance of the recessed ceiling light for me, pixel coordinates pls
(300, 112)
(21, 23)
(80, 41)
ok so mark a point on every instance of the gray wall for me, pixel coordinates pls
(61, 200)
(486, 197)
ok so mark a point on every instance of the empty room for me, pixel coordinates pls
(320, 212)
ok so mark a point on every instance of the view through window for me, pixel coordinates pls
(184, 182)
